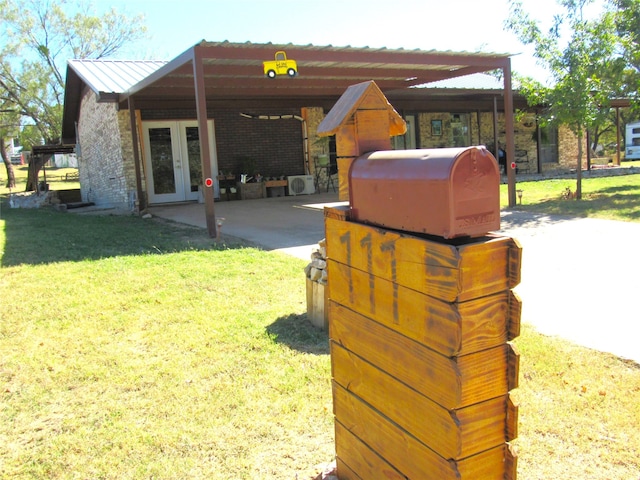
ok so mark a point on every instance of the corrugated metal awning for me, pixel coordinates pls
(109, 77)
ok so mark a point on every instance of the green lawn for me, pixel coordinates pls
(616, 197)
(56, 178)
(156, 353)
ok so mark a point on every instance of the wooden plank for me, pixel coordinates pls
(340, 212)
(453, 434)
(309, 291)
(422, 318)
(515, 263)
(409, 456)
(515, 305)
(343, 472)
(511, 464)
(426, 267)
(495, 464)
(448, 328)
(317, 311)
(343, 178)
(357, 461)
(442, 270)
(454, 382)
(372, 129)
(513, 411)
(346, 142)
(513, 367)
(489, 265)
(347, 151)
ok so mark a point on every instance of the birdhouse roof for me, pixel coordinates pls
(362, 96)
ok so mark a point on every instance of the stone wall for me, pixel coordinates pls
(313, 117)
(568, 149)
(317, 145)
(105, 160)
(459, 130)
(480, 132)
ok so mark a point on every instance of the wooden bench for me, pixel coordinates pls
(276, 188)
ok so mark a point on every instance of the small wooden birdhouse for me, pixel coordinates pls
(363, 121)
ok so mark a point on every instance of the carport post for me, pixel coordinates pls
(203, 135)
(508, 121)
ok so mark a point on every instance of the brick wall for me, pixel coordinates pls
(275, 146)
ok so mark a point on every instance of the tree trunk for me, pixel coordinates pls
(35, 165)
(11, 177)
(579, 169)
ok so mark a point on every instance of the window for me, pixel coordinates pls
(460, 130)
(548, 147)
(408, 140)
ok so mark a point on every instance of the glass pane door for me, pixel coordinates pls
(173, 161)
(161, 160)
(192, 166)
(164, 176)
(195, 161)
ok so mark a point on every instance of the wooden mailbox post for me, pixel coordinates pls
(419, 328)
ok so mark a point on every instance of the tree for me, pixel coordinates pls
(627, 21)
(39, 36)
(8, 129)
(580, 67)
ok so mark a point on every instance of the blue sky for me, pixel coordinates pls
(457, 25)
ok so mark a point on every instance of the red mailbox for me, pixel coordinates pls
(448, 192)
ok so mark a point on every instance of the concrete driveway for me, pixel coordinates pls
(580, 279)
(579, 276)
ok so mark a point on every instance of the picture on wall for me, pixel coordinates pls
(436, 128)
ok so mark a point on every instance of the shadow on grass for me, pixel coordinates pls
(629, 189)
(524, 216)
(39, 236)
(299, 334)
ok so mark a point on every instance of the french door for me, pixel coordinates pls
(173, 161)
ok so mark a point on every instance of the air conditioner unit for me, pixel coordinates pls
(301, 185)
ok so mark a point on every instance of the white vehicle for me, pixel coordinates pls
(632, 142)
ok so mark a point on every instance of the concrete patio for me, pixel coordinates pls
(290, 224)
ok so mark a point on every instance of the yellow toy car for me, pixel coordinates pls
(280, 66)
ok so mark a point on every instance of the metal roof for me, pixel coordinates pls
(476, 81)
(113, 76)
(233, 72)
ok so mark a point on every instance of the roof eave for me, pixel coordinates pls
(185, 57)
